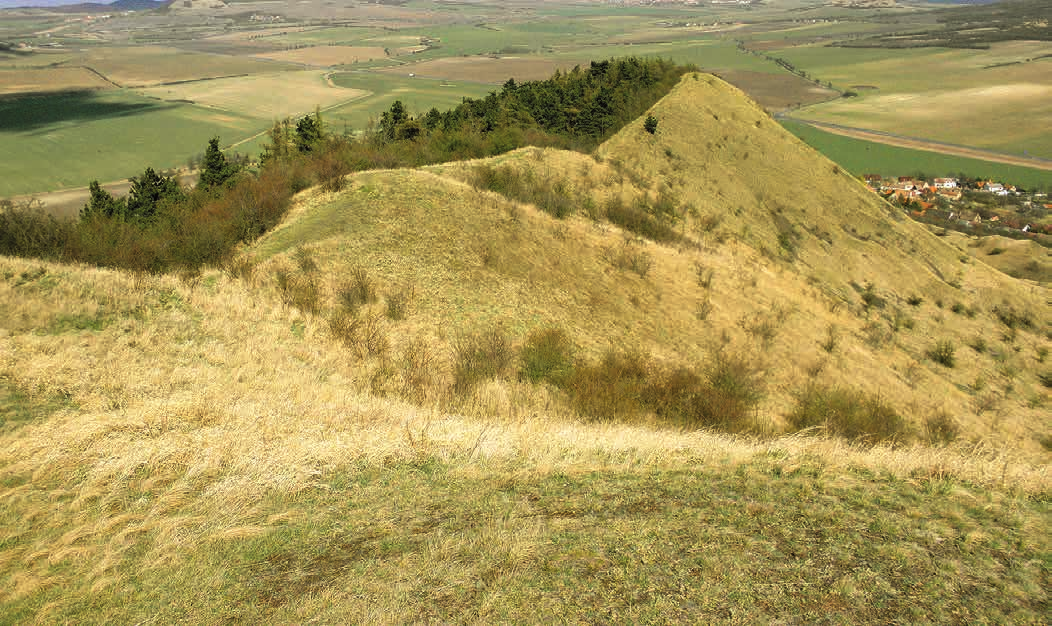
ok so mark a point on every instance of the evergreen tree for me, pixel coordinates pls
(101, 203)
(309, 132)
(148, 191)
(650, 124)
(216, 170)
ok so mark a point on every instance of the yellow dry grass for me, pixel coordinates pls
(14, 81)
(264, 96)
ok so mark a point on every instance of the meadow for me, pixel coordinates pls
(866, 157)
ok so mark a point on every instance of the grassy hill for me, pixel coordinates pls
(292, 438)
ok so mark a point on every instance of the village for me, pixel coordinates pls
(970, 205)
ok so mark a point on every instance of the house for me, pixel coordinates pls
(945, 183)
(873, 179)
(994, 187)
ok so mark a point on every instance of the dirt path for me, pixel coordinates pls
(925, 144)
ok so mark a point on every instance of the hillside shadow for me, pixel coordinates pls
(28, 113)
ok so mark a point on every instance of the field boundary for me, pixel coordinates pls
(917, 143)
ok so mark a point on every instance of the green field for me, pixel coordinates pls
(865, 157)
(66, 140)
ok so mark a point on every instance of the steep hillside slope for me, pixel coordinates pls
(285, 440)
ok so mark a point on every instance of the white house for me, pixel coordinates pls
(945, 183)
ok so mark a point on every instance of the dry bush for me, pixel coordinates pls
(363, 334)
(941, 429)
(480, 356)
(942, 352)
(629, 256)
(357, 291)
(399, 302)
(849, 414)
(547, 355)
(638, 218)
(419, 369)
(298, 291)
(612, 388)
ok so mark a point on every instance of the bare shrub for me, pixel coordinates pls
(940, 428)
(611, 388)
(629, 256)
(357, 291)
(399, 301)
(849, 414)
(480, 356)
(419, 369)
(363, 334)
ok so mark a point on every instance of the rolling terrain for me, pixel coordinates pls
(247, 444)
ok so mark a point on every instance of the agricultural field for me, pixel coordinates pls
(22, 81)
(327, 56)
(55, 141)
(263, 96)
(961, 97)
(145, 66)
(486, 69)
(866, 157)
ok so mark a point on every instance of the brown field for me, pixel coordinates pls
(145, 66)
(265, 96)
(324, 56)
(486, 69)
(777, 91)
(49, 79)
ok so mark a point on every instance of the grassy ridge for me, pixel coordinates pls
(866, 157)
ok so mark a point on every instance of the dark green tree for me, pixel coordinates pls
(650, 124)
(148, 192)
(101, 203)
(216, 170)
(391, 120)
(309, 132)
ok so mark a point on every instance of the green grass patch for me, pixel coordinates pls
(18, 408)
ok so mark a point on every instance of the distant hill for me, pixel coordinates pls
(119, 5)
